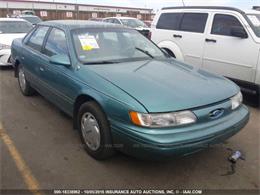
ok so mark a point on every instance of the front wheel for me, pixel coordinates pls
(95, 131)
(24, 85)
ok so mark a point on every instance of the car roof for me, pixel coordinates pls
(74, 24)
(214, 8)
(252, 11)
(121, 17)
(12, 19)
(29, 16)
(206, 7)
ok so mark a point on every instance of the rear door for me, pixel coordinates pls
(192, 31)
(32, 58)
(227, 55)
(187, 30)
(166, 26)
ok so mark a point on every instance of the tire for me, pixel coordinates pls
(95, 131)
(24, 85)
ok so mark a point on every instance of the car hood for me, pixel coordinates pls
(164, 86)
(7, 39)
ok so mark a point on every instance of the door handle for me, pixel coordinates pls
(211, 40)
(41, 69)
(177, 36)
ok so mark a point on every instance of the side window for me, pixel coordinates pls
(109, 20)
(116, 21)
(194, 22)
(37, 38)
(56, 43)
(169, 21)
(28, 35)
(112, 20)
(222, 24)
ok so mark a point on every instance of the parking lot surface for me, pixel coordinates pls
(53, 153)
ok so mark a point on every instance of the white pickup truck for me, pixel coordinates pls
(223, 40)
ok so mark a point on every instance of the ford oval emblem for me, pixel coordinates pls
(216, 113)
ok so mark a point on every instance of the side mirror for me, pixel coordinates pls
(238, 31)
(60, 59)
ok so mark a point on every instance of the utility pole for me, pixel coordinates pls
(56, 10)
(7, 10)
(77, 6)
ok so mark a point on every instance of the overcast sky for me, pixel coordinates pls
(158, 4)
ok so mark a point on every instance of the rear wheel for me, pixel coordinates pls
(95, 131)
(24, 85)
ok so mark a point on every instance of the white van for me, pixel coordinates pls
(223, 40)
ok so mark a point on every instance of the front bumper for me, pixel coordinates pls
(159, 143)
(5, 55)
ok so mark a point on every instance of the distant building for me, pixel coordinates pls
(57, 10)
(256, 7)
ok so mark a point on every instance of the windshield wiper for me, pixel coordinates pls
(145, 52)
(100, 62)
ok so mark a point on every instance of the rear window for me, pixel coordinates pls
(194, 22)
(7, 27)
(133, 23)
(169, 21)
(191, 22)
(33, 19)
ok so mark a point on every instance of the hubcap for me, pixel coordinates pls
(22, 80)
(90, 131)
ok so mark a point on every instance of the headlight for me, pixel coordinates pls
(236, 100)
(3, 46)
(163, 119)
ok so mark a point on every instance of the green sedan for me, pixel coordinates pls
(124, 93)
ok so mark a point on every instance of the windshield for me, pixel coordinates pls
(133, 23)
(103, 45)
(255, 23)
(14, 27)
(33, 19)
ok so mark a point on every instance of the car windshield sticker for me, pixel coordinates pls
(88, 42)
(254, 20)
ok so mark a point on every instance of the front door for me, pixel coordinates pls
(227, 55)
(58, 78)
